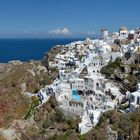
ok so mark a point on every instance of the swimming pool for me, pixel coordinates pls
(75, 96)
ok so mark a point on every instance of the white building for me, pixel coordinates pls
(89, 83)
(115, 35)
(138, 42)
(78, 84)
(103, 48)
(132, 36)
(105, 34)
(123, 32)
(61, 64)
(135, 100)
(63, 92)
(98, 63)
(137, 31)
(113, 92)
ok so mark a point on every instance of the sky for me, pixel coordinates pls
(66, 18)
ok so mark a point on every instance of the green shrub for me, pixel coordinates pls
(59, 116)
(34, 103)
(109, 69)
(46, 123)
(123, 107)
(114, 127)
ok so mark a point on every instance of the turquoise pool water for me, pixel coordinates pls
(75, 96)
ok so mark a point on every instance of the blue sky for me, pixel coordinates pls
(49, 18)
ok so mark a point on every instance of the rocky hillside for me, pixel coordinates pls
(47, 122)
(15, 81)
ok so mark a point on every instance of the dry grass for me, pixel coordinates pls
(13, 104)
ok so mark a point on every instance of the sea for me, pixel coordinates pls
(28, 49)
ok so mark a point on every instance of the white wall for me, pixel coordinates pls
(89, 84)
(78, 84)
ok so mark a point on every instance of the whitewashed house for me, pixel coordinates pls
(78, 84)
(95, 66)
(63, 92)
(96, 63)
(66, 75)
(89, 83)
(138, 42)
(135, 100)
(115, 35)
(123, 32)
(63, 75)
(113, 92)
(61, 64)
(137, 31)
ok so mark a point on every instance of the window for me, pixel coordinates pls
(138, 100)
(97, 84)
(132, 98)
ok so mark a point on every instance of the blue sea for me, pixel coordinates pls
(27, 49)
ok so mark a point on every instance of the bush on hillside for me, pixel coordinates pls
(109, 69)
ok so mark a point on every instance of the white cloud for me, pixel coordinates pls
(28, 32)
(89, 33)
(63, 31)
